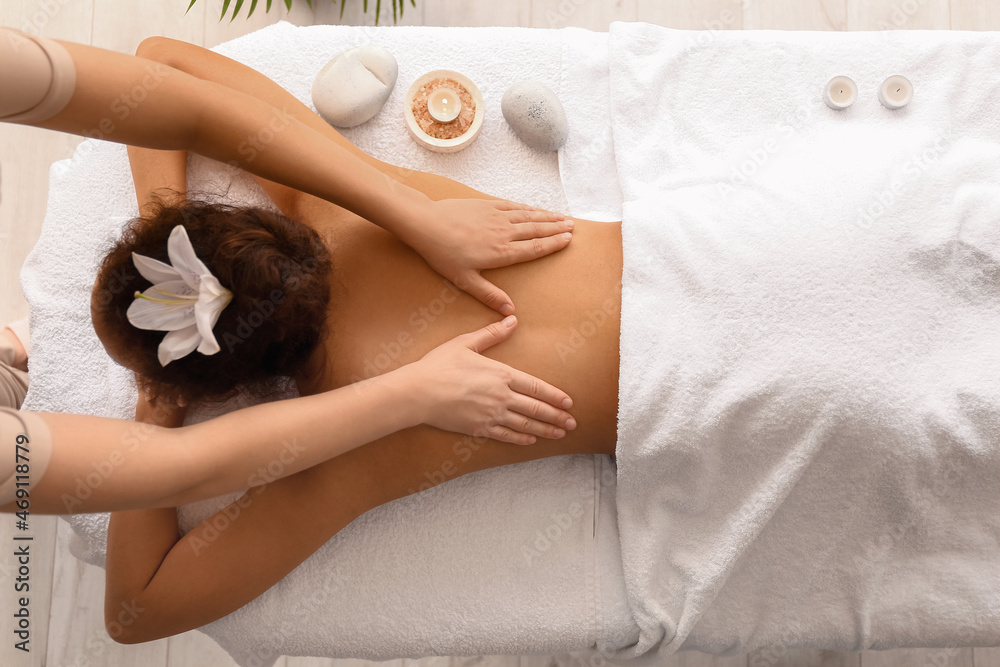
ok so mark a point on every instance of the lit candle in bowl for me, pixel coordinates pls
(444, 105)
(840, 93)
(464, 117)
(895, 92)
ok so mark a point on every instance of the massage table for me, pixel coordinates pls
(707, 531)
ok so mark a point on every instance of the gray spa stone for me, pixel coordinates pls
(535, 114)
(354, 86)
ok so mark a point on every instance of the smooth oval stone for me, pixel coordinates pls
(353, 87)
(535, 114)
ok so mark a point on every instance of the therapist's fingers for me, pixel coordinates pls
(528, 426)
(485, 291)
(541, 411)
(534, 215)
(531, 386)
(525, 251)
(541, 213)
(524, 231)
(504, 434)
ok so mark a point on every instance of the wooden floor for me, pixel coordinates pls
(66, 595)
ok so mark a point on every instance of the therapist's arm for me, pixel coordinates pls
(453, 387)
(153, 466)
(180, 112)
(174, 110)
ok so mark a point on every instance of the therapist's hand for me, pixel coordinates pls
(461, 237)
(464, 392)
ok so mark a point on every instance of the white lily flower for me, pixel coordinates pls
(185, 300)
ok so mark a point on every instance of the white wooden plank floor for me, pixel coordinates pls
(66, 595)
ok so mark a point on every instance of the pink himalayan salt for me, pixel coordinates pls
(437, 129)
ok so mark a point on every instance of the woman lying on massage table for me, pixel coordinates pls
(78, 89)
(386, 308)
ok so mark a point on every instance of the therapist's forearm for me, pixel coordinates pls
(132, 100)
(298, 434)
(150, 466)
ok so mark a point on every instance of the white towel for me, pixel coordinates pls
(809, 423)
(587, 161)
(441, 572)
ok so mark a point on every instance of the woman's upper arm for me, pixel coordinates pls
(211, 66)
(158, 174)
(241, 551)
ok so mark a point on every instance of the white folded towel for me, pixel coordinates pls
(809, 424)
(441, 572)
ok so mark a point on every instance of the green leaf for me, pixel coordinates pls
(397, 10)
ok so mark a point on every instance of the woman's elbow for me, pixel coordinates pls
(123, 621)
(130, 622)
(154, 48)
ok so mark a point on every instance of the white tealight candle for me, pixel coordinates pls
(840, 93)
(895, 92)
(444, 105)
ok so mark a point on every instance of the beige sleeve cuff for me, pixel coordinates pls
(20, 329)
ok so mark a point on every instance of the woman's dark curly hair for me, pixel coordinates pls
(278, 271)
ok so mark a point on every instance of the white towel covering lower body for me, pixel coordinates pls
(809, 424)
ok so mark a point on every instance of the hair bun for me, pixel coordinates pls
(278, 271)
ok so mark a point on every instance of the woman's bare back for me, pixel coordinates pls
(389, 308)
